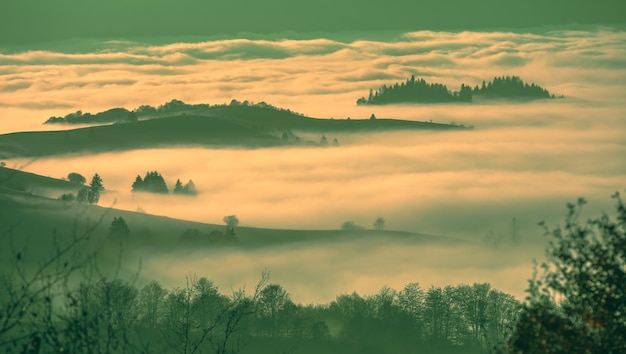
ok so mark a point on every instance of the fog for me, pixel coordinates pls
(522, 160)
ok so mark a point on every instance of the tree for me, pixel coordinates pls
(324, 141)
(119, 229)
(82, 196)
(578, 304)
(231, 222)
(76, 178)
(95, 187)
(67, 197)
(3, 164)
(138, 184)
(379, 223)
(271, 301)
(151, 299)
(178, 187)
(153, 182)
(373, 116)
(190, 188)
(350, 225)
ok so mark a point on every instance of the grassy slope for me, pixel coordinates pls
(36, 217)
(249, 127)
(34, 184)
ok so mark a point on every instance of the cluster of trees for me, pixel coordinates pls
(89, 194)
(419, 91)
(109, 116)
(172, 107)
(153, 182)
(578, 302)
(379, 224)
(324, 141)
(196, 236)
(576, 305)
(111, 315)
(511, 87)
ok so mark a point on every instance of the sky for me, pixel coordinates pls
(522, 160)
(29, 22)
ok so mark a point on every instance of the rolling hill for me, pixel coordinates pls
(228, 126)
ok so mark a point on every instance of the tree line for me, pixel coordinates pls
(153, 182)
(575, 304)
(419, 91)
(112, 315)
(173, 107)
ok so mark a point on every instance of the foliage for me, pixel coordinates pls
(76, 178)
(109, 116)
(119, 229)
(419, 91)
(188, 189)
(153, 182)
(379, 223)
(90, 194)
(67, 197)
(351, 225)
(231, 222)
(578, 304)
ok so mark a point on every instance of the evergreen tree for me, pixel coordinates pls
(190, 188)
(178, 188)
(95, 187)
(138, 185)
(119, 228)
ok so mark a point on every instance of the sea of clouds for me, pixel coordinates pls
(522, 160)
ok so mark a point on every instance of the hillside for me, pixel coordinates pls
(171, 131)
(36, 218)
(21, 181)
(227, 126)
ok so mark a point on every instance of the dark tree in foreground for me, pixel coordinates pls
(578, 305)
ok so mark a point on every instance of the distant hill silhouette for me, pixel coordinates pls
(173, 107)
(419, 91)
(233, 125)
(110, 116)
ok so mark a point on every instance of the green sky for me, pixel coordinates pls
(32, 21)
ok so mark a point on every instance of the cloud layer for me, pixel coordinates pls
(523, 160)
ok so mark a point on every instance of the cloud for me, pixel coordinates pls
(522, 160)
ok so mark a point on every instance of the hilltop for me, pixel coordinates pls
(234, 125)
(419, 91)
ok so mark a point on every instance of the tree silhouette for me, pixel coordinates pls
(95, 187)
(231, 222)
(153, 182)
(178, 187)
(419, 91)
(350, 225)
(271, 301)
(578, 304)
(379, 223)
(76, 178)
(119, 229)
